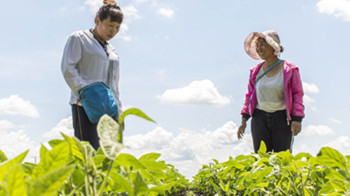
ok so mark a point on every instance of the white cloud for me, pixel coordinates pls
(189, 150)
(342, 144)
(338, 8)
(64, 126)
(15, 105)
(307, 100)
(130, 15)
(93, 5)
(6, 125)
(336, 121)
(197, 93)
(310, 88)
(15, 142)
(312, 130)
(167, 12)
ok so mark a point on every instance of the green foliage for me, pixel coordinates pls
(276, 174)
(71, 167)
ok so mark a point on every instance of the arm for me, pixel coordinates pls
(71, 56)
(245, 109)
(297, 112)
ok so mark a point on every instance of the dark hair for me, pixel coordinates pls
(112, 10)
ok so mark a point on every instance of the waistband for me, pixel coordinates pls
(278, 112)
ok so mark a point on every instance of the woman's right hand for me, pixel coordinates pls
(241, 129)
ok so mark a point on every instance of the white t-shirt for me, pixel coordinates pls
(270, 92)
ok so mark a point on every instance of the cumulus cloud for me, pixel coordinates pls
(64, 126)
(342, 144)
(93, 5)
(338, 8)
(189, 150)
(197, 93)
(6, 125)
(167, 12)
(310, 88)
(15, 142)
(15, 105)
(313, 130)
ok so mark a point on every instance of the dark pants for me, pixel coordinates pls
(84, 130)
(272, 128)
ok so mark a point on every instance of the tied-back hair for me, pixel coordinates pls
(112, 10)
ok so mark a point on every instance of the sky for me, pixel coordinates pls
(183, 64)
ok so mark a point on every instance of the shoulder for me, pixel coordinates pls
(289, 66)
(82, 34)
(256, 68)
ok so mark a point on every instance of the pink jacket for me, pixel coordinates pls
(293, 90)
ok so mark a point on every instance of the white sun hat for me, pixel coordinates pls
(271, 38)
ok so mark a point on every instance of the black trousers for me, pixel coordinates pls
(272, 128)
(84, 130)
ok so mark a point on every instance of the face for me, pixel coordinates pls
(106, 29)
(263, 48)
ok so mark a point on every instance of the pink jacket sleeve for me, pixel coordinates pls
(297, 96)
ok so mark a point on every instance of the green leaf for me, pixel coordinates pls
(331, 158)
(120, 184)
(8, 164)
(52, 160)
(140, 186)
(76, 147)
(15, 179)
(78, 176)
(55, 142)
(332, 188)
(127, 160)
(107, 130)
(51, 182)
(2, 157)
(286, 157)
(136, 112)
(150, 156)
(262, 148)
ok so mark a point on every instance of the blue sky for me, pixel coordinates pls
(182, 63)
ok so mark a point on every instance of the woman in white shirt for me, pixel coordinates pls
(89, 58)
(275, 95)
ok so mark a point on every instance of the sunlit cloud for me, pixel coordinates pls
(6, 125)
(338, 8)
(310, 88)
(15, 105)
(342, 144)
(197, 93)
(167, 12)
(189, 149)
(64, 126)
(15, 142)
(313, 130)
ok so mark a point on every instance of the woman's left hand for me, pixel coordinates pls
(295, 127)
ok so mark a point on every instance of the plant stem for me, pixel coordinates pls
(105, 179)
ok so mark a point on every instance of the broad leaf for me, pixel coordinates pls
(107, 130)
(50, 183)
(8, 164)
(16, 184)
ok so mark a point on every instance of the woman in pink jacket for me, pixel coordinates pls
(275, 95)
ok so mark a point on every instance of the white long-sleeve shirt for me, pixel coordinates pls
(85, 61)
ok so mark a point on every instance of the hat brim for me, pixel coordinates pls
(250, 45)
